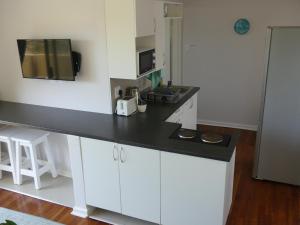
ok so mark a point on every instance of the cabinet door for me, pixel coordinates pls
(192, 190)
(194, 109)
(120, 36)
(159, 34)
(176, 117)
(101, 174)
(140, 183)
(189, 115)
(144, 17)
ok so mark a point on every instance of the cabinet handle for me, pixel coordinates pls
(165, 10)
(123, 155)
(192, 103)
(115, 153)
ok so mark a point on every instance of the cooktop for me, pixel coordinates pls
(197, 136)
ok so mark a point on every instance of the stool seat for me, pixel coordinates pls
(7, 132)
(29, 139)
(28, 135)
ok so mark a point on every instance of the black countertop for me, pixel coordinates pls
(147, 130)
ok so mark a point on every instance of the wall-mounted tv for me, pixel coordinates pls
(50, 59)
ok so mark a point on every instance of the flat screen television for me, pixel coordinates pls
(49, 59)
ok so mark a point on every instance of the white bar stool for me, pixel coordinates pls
(29, 139)
(7, 163)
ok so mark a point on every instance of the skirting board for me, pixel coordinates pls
(230, 125)
(64, 173)
(116, 219)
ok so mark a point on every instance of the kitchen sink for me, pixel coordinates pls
(166, 94)
(182, 90)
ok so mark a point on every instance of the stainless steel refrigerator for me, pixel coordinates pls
(278, 139)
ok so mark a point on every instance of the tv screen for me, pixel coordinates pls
(46, 59)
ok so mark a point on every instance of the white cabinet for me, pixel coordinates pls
(198, 192)
(159, 187)
(176, 117)
(159, 34)
(123, 179)
(136, 15)
(145, 23)
(101, 174)
(189, 115)
(127, 24)
(173, 10)
(140, 183)
(186, 114)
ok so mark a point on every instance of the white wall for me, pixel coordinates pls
(80, 20)
(228, 67)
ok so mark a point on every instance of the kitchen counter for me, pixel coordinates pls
(148, 130)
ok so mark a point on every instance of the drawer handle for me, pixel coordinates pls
(115, 153)
(123, 155)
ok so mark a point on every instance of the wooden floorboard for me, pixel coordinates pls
(255, 202)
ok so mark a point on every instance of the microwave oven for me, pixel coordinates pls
(145, 61)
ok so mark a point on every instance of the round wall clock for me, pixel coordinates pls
(242, 26)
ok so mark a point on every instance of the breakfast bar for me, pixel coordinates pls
(115, 146)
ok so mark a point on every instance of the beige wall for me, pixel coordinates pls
(228, 67)
(82, 21)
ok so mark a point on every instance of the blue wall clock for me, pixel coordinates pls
(242, 26)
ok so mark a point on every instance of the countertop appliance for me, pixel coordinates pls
(133, 92)
(126, 106)
(278, 143)
(145, 61)
(212, 138)
(201, 137)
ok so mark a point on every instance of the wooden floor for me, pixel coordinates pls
(255, 202)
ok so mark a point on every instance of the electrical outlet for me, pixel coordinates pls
(117, 90)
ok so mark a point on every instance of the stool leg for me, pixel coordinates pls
(27, 159)
(18, 163)
(49, 158)
(35, 168)
(11, 154)
(0, 159)
(27, 153)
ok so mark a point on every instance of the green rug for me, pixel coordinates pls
(22, 218)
